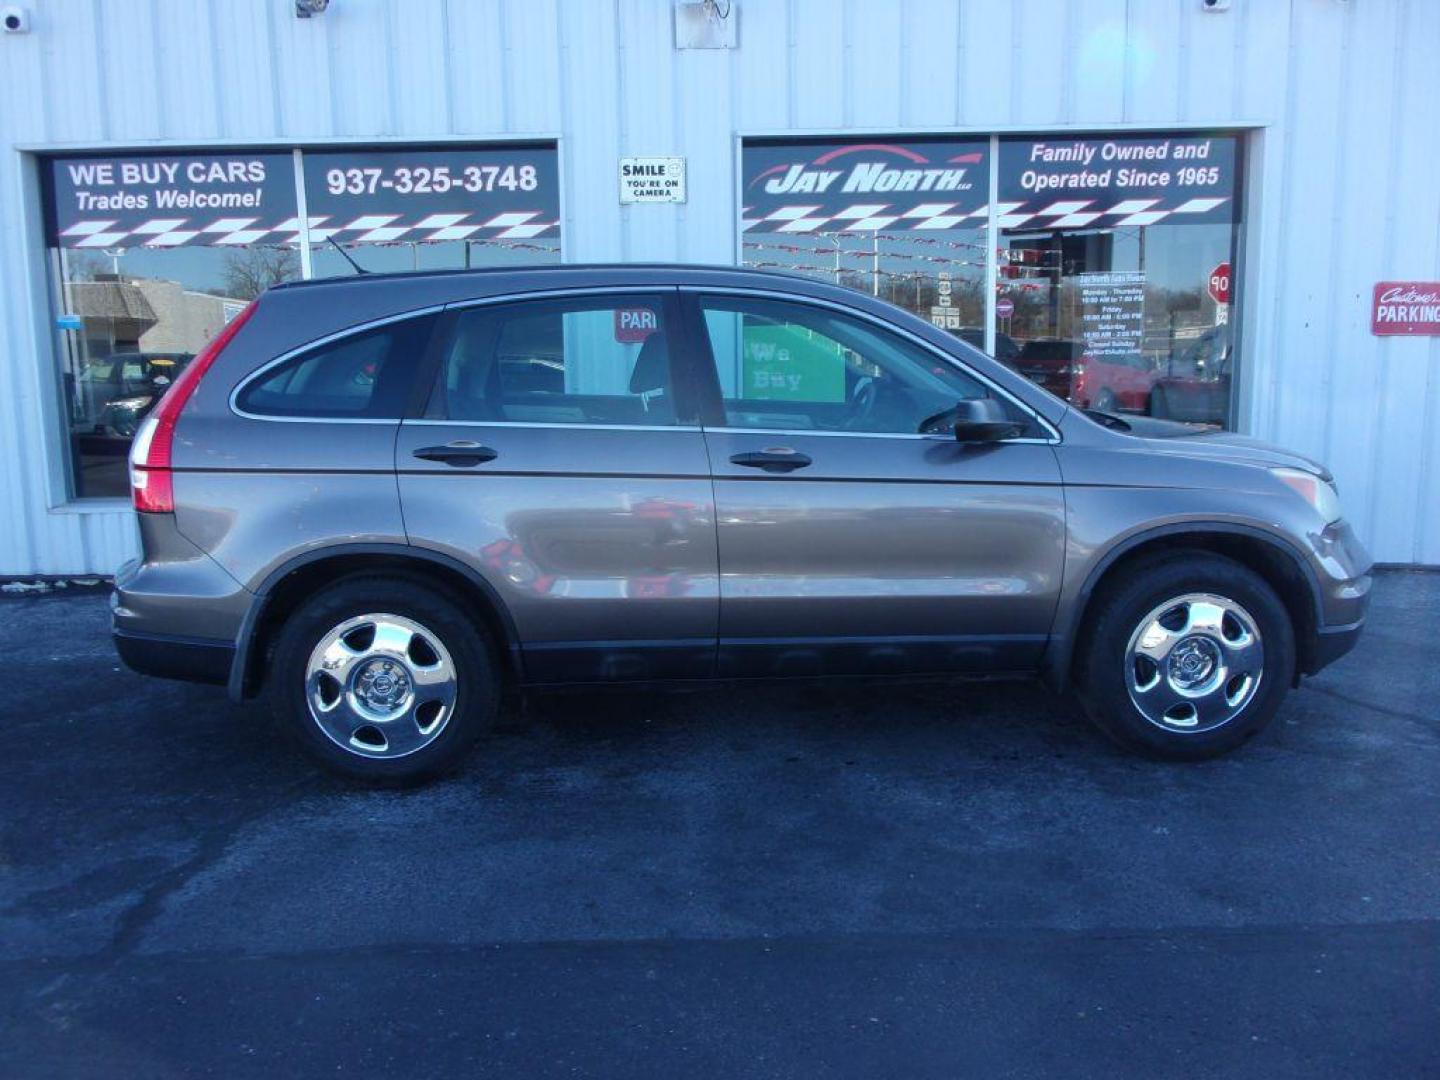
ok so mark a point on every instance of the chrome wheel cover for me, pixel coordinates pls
(1194, 663)
(380, 686)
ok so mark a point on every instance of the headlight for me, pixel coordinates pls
(1318, 493)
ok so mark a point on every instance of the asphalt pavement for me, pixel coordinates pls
(916, 881)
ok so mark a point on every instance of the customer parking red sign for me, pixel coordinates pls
(1406, 307)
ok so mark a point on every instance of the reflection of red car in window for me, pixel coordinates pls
(1196, 384)
(1050, 362)
(1113, 383)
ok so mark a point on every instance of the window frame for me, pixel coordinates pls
(430, 409)
(713, 415)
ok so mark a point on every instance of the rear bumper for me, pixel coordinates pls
(190, 659)
(177, 618)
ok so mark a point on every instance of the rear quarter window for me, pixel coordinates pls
(365, 375)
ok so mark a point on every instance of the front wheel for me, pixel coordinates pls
(383, 679)
(1189, 655)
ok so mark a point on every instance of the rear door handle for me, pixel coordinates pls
(462, 454)
(776, 459)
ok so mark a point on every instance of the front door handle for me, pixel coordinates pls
(461, 454)
(776, 459)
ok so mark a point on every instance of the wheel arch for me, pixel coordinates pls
(288, 585)
(1273, 557)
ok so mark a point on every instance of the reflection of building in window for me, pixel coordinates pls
(145, 315)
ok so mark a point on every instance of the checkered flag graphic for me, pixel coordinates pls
(1066, 214)
(366, 229)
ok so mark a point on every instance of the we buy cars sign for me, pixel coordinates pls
(1406, 307)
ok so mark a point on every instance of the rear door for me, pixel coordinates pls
(850, 542)
(560, 457)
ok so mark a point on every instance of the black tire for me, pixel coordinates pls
(1118, 610)
(478, 683)
(1105, 401)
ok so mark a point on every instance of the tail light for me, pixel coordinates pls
(150, 454)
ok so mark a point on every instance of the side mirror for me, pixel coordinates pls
(983, 420)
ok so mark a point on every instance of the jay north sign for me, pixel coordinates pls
(932, 184)
(937, 184)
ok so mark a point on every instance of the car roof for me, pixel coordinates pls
(677, 273)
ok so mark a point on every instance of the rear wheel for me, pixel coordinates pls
(1188, 656)
(383, 679)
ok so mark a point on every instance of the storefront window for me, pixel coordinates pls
(1113, 257)
(427, 209)
(900, 220)
(152, 254)
(1115, 261)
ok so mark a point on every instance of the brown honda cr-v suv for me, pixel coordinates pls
(382, 501)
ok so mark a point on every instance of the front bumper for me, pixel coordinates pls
(1331, 643)
(1345, 583)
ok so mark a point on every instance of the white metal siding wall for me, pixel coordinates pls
(1349, 189)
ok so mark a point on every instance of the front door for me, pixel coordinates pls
(555, 459)
(849, 542)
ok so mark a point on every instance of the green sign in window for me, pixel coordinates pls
(789, 363)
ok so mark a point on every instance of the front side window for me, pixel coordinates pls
(366, 376)
(793, 367)
(583, 361)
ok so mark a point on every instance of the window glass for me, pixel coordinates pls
(152, 254)
(1115, 270)
(365, 376)
(794, 367)
(903, 220)
(588, 361)
(428, 208)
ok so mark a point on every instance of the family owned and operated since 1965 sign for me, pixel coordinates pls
(1057, 183)
(1406, 308)
(366, 197)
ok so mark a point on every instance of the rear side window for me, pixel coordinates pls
(367, 375)
(587, 360)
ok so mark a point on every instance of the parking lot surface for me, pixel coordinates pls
(924, 880)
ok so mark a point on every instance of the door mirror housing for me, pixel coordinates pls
(983, 420)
